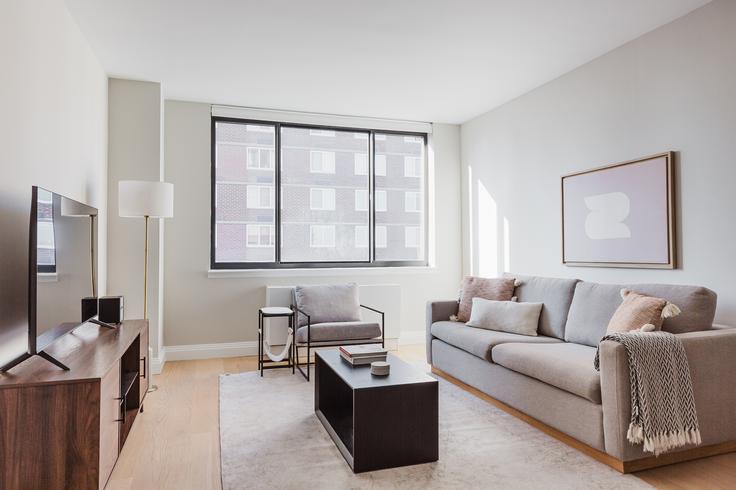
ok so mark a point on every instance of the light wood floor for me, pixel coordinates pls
(175, 442)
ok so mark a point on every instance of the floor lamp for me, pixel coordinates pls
(142, 199)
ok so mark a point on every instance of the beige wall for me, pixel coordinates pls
(202, 310)
(134, 154)
(53, 133)
(672, 89)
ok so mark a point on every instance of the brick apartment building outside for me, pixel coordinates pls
(324, 195)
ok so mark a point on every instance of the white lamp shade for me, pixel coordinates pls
(138, 198)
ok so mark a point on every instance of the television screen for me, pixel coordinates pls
(65, 265)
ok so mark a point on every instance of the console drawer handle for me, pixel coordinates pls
(122, 410)
(144, 368)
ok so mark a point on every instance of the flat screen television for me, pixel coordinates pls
(62, 270)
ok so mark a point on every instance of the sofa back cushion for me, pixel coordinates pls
(327, 303)
(556, 295)
(594, 304)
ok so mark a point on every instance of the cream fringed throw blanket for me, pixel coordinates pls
(663, 413)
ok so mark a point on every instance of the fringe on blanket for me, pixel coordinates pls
(661, 443)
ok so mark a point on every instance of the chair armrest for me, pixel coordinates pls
(296, 322)
(383, 320)
(711, 356)
(372, 309)
(438, 311)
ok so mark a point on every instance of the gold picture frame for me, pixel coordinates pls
(667, 213)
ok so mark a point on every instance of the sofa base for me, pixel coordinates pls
(618, 465)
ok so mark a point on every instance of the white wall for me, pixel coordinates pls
(135, 154)
(202, 310)
(53, 133)
(672, 89)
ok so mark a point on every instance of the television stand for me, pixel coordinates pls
(28, 355)
(66, 428)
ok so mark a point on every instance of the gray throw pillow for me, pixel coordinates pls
(328, 303)
(505, 316)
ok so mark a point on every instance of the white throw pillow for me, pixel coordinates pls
(505, 316)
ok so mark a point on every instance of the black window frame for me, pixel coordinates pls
(277, 263)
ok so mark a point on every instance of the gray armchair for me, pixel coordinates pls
(329, 316)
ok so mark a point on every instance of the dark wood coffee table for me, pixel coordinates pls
(377, 422)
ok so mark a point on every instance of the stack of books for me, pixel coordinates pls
(358, 355)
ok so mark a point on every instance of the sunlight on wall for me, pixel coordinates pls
(506, 246)
(471, 235)
(487, 233)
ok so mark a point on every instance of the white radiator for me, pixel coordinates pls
(384, 297)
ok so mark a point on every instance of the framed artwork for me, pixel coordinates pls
(620, 215)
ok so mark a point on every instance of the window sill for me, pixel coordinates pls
(318, 272)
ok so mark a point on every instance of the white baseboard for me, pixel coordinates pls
(209, 351)
(239, 349)
(157, 363)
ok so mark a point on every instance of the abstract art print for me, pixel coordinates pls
(620, 215)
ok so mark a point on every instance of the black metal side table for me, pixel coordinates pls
(275, 312)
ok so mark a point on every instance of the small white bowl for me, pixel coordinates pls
(380, 368)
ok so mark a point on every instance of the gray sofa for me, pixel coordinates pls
(551, 377)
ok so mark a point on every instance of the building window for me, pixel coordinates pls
(381, 165)
(413, 215)
(381, 204)
(260, 158)
(322, 162)
(411, 237)
(259, 196)
(287, 196)
(361, 199)
(259, 236)
(361, 164)
(322, 132)
(361, 236)
(322, 199)
(381, 238)
(412, 202)
(322, 236)
(412, 166)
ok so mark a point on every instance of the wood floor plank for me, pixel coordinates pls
(175, 442)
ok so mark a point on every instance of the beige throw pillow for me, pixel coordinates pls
(505, 316)
(640, 312)
(501, 289)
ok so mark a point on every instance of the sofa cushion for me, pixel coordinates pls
(328, 303)
(478, 341)
(594, 304)
(505, 316)
(497, 289)
(339, 331)
(640, 312)
(556, 294)
(566, 366)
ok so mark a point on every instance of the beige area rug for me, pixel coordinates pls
(270, 438)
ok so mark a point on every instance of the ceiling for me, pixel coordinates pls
(426, 60)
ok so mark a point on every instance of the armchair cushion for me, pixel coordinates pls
(326, 303)
(336, 331)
